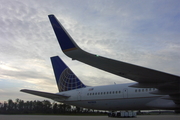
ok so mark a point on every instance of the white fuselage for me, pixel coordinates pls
(111, 97)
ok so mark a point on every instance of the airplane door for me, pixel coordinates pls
(125, 93)
(79, 92)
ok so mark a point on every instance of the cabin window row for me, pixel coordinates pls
(145, 90)
(104, 93)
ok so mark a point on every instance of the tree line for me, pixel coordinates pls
(37, 107)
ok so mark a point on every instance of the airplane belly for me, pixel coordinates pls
(116, 104)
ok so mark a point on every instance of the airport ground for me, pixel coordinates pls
(62, 117)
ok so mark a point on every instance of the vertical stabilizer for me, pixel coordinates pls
(65, 78)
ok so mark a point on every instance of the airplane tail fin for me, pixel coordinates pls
(65, 78)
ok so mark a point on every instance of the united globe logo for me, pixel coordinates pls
(69, 81)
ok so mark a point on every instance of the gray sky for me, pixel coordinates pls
(141, 32)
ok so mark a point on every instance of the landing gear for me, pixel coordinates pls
(122, 114)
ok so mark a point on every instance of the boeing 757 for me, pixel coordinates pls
(152, 89)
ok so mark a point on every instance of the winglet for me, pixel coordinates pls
(65, 40)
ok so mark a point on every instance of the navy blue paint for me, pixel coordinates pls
(58, 66)
(65, 78)
(63, 37)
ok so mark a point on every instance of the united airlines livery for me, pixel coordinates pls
(152, 89)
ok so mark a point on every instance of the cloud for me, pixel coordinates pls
(145, 33)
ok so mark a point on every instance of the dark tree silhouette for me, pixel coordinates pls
(33, 107)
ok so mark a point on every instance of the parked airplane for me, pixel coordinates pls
(152, 89)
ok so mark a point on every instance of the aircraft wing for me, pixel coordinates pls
(45, 94)
(144, 76)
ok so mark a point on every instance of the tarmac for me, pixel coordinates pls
(61, 117)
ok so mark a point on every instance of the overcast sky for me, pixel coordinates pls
(141, 32)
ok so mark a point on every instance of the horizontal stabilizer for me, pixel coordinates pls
(45, 94)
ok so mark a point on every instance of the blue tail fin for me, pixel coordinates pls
(64, 39)
(65, 78)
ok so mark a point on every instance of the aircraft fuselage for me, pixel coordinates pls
(111, 97)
